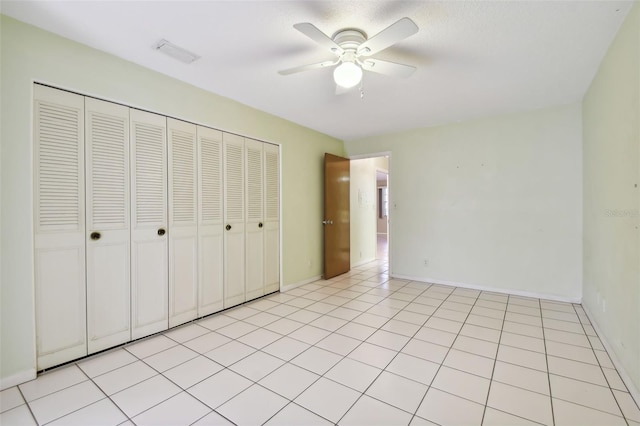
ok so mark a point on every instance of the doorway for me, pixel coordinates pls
(382, 211)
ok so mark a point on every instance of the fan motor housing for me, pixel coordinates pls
(349, 38)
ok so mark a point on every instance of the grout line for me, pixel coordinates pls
(495, 361)
(546, 360)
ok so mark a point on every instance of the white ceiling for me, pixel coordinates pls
(474, 58)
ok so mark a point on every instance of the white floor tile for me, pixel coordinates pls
(594, 396)
(150, 346)
(262, 319)
(523, 342)
(186, 332)
(576, 370)
(219, 388)
(522, 377)
(253, 406)
(369, 411)
(10, 398)
(356, 331)
(295, 415)
(414, 368)
(522, 357)
(354, 374)
(237, 329)
(462, 384)
(17, 416)
(256, 366)
(207, 342)
(376, 356)
(259, 338)
(567, 413)
(193, 371)
(230, 353)
(303, 316)
(103, 412)
(217, 321)
(426, 350)
(476, 346)
(482, 333)
(141, 397)
(169, 358)
(388, 340)
(124, 377)
(614, 380)
(328, 323)
(471, 363)
(398, 391)
(493, 417)
(375, 321)
(444, 324)
(328, 399)
(412, 317)
(569, 338)
(106, 362)
(446, 409)
(284, 326)
(52, 381)
(289, 380)
(520, 402)
(317, 360)
(338, 344)
(627, 405)
(524, 329)
(309, 334)
(213, 419)
(572, 352)
(63, 402)
(344, 313)
(286, 348)
(439, 337)
(242, 312)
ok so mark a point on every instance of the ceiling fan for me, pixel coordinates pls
(353, 49)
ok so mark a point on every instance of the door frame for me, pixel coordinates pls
(389, 220)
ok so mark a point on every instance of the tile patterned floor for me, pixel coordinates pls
(354, 350)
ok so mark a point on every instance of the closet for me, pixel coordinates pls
(143, 222)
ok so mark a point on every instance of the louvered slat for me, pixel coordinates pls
(59, 181)
(109, 165)
(184, 176)
(272, 185)
(254, 184)
(211, 157)
(234, 179)
(150, 168)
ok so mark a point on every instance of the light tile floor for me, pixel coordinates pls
(355, 350)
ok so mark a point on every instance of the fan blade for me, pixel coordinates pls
(294, 70)
(319, 37)
(387, 68)
(400, 30)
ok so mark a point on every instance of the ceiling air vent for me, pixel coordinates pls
(176, 52)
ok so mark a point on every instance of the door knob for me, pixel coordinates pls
(95, 236)
(327, 222)
(161, 232)
(260, 225)
(228, 227)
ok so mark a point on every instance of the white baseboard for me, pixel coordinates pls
(299, 283)
(362, 262)
(491, 289)
(17, 379)
(633, 390)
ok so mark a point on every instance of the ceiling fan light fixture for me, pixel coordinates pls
(347, 74)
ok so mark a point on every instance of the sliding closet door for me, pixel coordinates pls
(210, 225)
(271, 218)
(107, 236)
(234, 275)
(254, 234)
(149, 239)
(183, 222)
(59, 226)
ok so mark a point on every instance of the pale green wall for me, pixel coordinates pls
(493, 203)
(30, 54)
(611, 128)
(363, 211)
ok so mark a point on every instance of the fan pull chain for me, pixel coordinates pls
(362, 88)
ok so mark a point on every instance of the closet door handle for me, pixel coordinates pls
(260, 225)
(95, 236)
(161, 232)
(228, 227)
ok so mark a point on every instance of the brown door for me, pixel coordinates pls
(336, 216)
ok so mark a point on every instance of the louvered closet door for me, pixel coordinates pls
(59, 226)
(233, 151)
(271, 218)
(210, 225)
(183, 222)
(149, 250)
(107, 234)
(254, 234)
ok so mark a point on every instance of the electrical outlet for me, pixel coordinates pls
(426, 262)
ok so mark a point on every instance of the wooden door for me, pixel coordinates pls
(107, 235)
(149, 239)
(254, 223)
(59, 216)
(210, 225)
(336, 221)
(234, 242)
(183, 222)
(271, 218)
